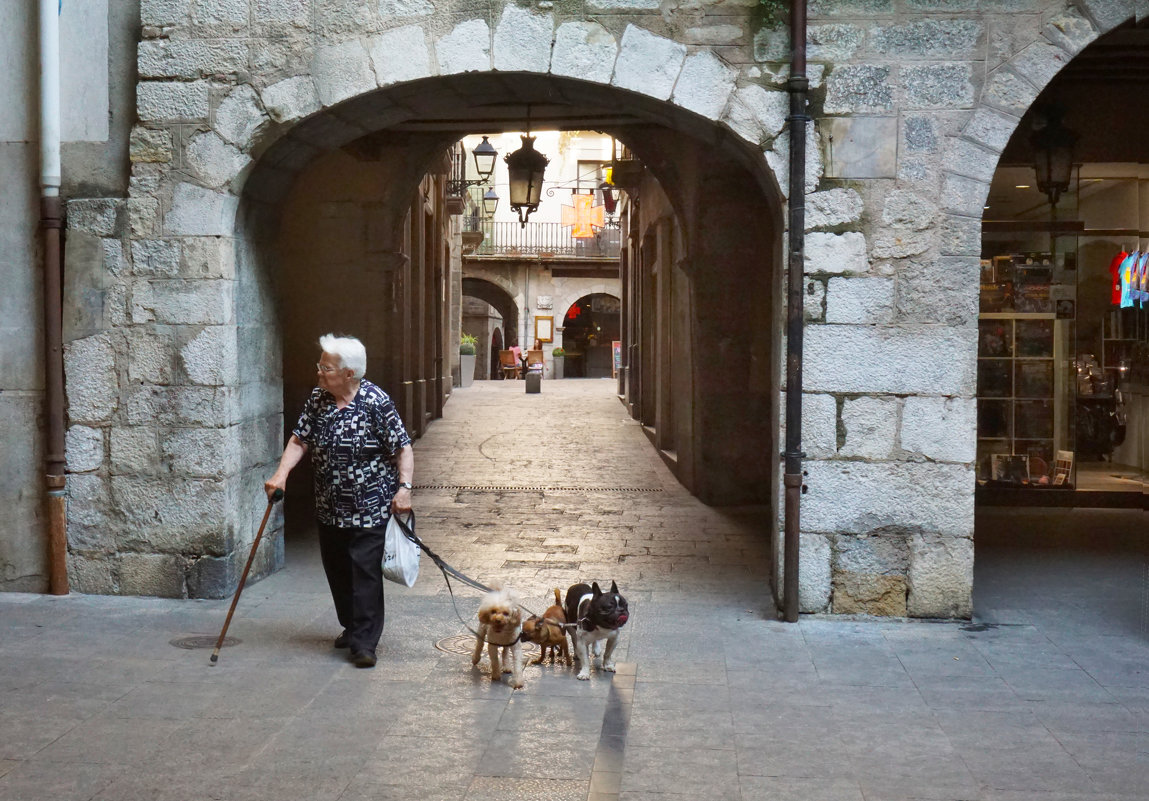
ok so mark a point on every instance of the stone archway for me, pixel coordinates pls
(234, 101)
(205, 209)
(499, 299)
(587, 338)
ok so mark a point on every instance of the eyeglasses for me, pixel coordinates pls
(325, 368)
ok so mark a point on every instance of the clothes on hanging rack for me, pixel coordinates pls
(1126, 274)
(1115, 272)
(1141, 282)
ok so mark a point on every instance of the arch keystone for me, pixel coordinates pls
(342, 71)
(1071, 30)
(292, 99)
(523, 41)
(647, 63)
(239, 116)
(584, 50)
(213, 160)
(400, 55)
(467, 48)
(756, 114)
(705, 85)
(1039, 62)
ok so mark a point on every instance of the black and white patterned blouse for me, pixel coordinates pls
(352, 453)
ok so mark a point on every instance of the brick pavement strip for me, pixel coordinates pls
(715, 699)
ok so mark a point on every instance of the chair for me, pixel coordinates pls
(508, 364)
(535, 362)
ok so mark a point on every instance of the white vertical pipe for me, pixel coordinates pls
(50, 97)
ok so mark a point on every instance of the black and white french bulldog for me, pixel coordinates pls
(597, 616)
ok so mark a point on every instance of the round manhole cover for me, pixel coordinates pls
(465, 644)
(194, 641)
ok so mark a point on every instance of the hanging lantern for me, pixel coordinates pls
(1052, 153)
(609, 198)
(525, 167)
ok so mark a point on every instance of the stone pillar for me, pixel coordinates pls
(169, 434)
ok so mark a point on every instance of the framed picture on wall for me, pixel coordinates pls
(544, 328)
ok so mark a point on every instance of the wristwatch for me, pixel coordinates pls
(406, 485)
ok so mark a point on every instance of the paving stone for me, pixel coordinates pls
(751, 708)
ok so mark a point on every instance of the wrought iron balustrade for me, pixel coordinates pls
(540, 240)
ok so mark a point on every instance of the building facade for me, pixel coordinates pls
(176, 206)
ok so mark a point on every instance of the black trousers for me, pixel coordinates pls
(353, 562)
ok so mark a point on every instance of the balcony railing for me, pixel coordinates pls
(541, 240)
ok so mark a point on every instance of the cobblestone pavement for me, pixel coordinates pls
(714, 698)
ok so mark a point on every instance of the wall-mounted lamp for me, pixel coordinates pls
(490, 203)
(484, 154)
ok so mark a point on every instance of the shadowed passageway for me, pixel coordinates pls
(596, 501)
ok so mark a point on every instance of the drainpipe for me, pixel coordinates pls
(50, 224)
(792, 478)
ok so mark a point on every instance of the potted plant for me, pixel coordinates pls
(557, 354)
(467, 344)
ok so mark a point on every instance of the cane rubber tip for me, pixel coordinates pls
(214, 659)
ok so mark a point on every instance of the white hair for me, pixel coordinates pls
(350, 351)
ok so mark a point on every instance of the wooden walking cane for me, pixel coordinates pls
(275, 496)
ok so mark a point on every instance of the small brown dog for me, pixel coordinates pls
(500, 626)
(548, 632)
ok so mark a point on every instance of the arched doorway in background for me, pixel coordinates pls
(590, 327)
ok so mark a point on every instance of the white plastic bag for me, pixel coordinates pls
(400, 553)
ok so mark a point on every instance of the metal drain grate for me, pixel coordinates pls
(521, 488)
(194, 641)
(465, 644)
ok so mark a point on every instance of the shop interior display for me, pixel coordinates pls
(1063, 350)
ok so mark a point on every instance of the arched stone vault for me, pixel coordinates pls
(235, 99)
(497, 291)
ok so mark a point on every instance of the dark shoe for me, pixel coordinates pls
(343, 640)
(363, 659)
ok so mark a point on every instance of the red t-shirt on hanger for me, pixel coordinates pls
(1115, 271)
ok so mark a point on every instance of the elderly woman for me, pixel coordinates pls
(363, 469)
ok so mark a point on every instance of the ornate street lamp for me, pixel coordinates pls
(458, 183)
(484, 154)
(525, 167)
(1052, 153)
(490, 203)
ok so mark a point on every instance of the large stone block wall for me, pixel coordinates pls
(173, 408)
(913, 99)
(917, 101)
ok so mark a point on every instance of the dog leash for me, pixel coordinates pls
(449, 571)
(446, 570)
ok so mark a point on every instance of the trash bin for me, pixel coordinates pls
(534, 382)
